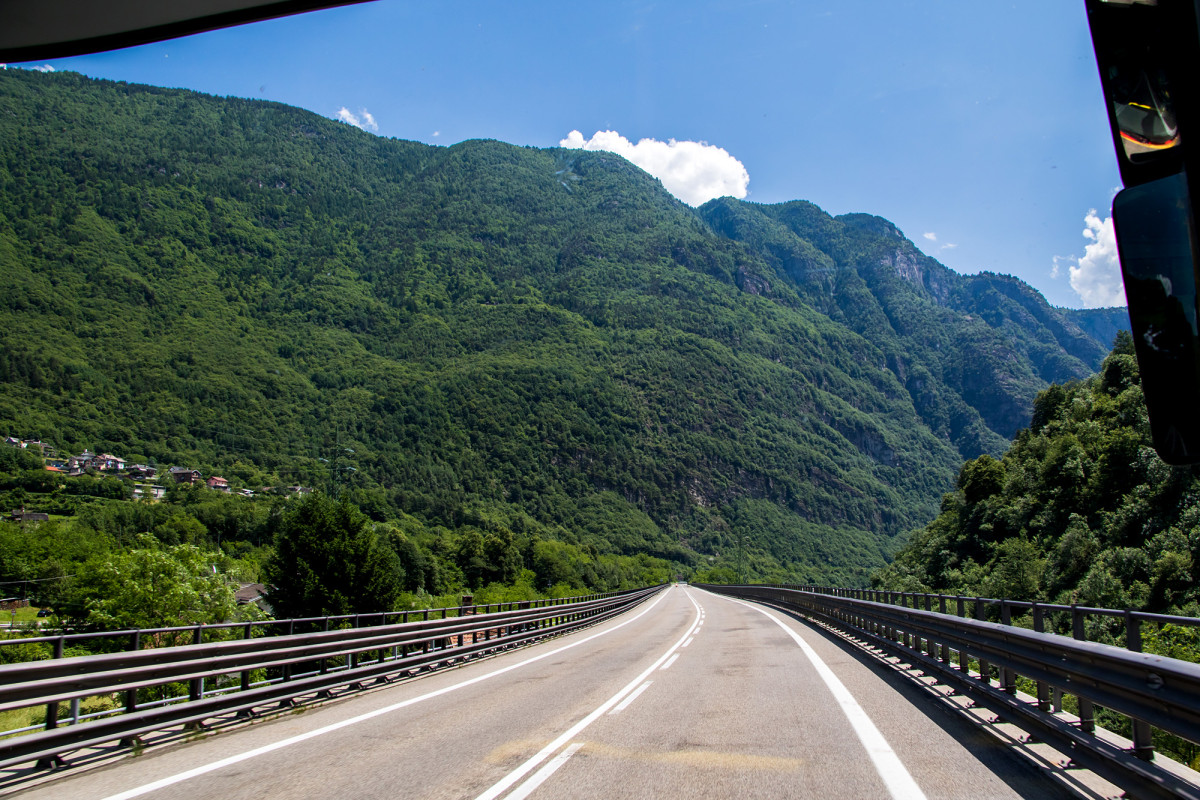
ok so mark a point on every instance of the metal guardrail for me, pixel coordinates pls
(297, 664)
(986, 660)
(137, 638)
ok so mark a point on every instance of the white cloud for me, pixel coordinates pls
(437, 134)
(367, 120)
(931, 236)
(695, 172)
(43, 68)
(1096, 276)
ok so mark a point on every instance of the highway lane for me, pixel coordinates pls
(688, 694)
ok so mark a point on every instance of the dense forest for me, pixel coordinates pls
(117, 562)
(520, 364)
(1078, 510)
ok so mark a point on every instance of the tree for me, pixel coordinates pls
(152, 586)
(328, 561)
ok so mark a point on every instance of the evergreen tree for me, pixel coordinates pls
(328, 561)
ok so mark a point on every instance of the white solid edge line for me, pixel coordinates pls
(891, 769)
(162, 783)
(624, 704)
(508, 780)
(539, 777)
(670, 661)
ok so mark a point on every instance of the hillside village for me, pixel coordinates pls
(149, 481)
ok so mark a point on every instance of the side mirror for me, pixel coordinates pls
(1147, 51)
(1156, 237)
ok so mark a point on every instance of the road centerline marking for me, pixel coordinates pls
(624, 704)
(539, 777)
(503, 785)
(670, 661)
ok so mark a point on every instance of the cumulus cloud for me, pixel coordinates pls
(365, 122)
(43, 68)
(930, 236)
(695, 172)
(1096, 275)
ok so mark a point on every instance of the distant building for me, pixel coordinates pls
(81, 463)
(136, 471)
(218, 483)
(149, 491)
(21, 515)
(301, 490)
(185, 475)
(109, 463)
(253, 593)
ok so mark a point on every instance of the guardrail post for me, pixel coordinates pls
(1143, 744)
(55, 761)
(1043, 690)
(985, 669)
(352, 658)
(52, 708)
(247, 633)
(323, 664)
(1087, 711)
(135, 644)
(196, 685)
(945, 647)
(929, 645)
(908, 637)
(286, 670)
(964, 660)
(1008, 678)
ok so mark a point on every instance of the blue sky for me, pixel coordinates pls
(978, 128)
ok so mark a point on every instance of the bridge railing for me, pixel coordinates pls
(956, 639)
(205, 679)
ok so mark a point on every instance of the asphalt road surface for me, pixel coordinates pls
(687, 695)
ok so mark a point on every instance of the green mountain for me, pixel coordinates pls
(542, 343)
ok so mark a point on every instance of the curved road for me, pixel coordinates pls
(689, 694)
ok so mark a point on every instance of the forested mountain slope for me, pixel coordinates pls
(972, 351)
(486, 335)
(1079, 510)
